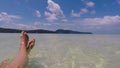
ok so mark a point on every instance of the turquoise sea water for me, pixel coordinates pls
(66, 51)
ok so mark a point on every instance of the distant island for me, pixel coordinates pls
(59, 31)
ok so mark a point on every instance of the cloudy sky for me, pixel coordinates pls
(97, 16)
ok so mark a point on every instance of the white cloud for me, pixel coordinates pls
(99, 25)
(118, 1)
(101, 21)
(4, 17)
(10, 21)
(64, 20)
(82, 11)
(38, 24)
(54, 11)
(37, 13)
(90, 4)
(20, 26)
(73, 14)
(50, 17)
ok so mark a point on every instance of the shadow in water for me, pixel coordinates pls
(34, 63)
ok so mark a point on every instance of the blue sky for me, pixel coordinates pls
(97, 16)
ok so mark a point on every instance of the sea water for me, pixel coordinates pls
(66, 50)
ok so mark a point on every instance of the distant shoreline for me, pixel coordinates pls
(42, 31)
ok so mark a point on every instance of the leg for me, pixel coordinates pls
(21, 59)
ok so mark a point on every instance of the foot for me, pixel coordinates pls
(21, 59)
(24, 39)
(25, 43)
(30, 45)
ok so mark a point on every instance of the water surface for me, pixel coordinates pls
(66, 51)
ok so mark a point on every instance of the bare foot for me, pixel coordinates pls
(30, 45)
(21, 59)
(24, 38)
(25, 43)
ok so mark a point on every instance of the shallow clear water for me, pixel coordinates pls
(66, 51)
